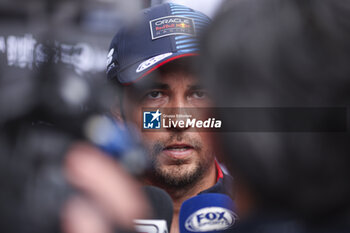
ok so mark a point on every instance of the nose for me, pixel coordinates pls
(178, 100)
(179, 108)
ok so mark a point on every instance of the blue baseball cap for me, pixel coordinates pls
(163, 33)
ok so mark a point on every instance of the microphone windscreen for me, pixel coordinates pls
(211, 212)
(161, 204)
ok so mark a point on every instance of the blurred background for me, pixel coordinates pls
(53, 94)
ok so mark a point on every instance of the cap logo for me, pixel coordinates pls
(110, 56)
(110, 63)
(146, 64)
(171, 25)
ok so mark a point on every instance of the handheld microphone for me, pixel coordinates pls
(162, 214)
(116, 140)
(211, 212)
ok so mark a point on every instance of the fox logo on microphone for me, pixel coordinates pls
(208, 212)
(210, 219)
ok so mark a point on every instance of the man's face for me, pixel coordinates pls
(180, 157)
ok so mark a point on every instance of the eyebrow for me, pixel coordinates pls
(162, 86)
(195, 87)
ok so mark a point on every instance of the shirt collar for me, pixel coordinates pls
(219, 171)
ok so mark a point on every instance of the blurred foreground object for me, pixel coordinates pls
(285, 54)
(52, 56)
(112, 195)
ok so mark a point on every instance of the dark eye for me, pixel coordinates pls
(199, 94)
(154, 94)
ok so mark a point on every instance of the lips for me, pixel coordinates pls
(178, 151)
(178, 147)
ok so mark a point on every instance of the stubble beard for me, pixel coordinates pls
(180, 175)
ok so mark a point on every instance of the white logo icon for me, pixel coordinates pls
(151, 120)
(210, 219)
(146, 64)
(110, 56)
